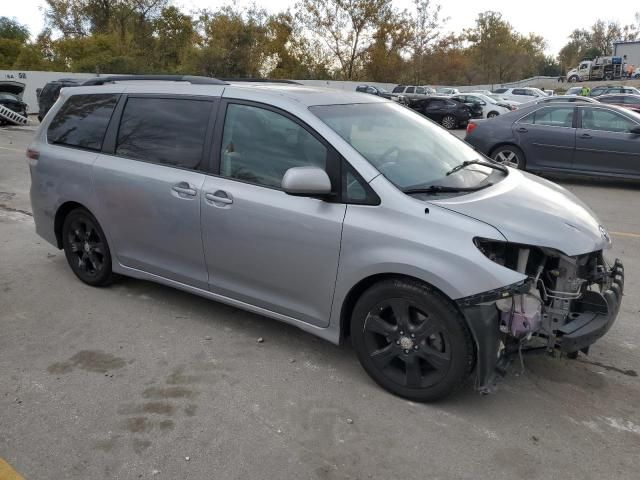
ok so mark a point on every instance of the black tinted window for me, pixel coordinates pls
(82, 121)
(169, 131)
(519, 91)
(500, 90)
(398, 89)
(437, 103)
(411, 90)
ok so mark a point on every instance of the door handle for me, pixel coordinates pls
(184, 188)
(219, 197)
(522, 130)
(585, 135)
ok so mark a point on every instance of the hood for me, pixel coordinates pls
(533, 211)
(15, 88)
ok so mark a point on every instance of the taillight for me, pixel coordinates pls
(471, 127)
(33, 154)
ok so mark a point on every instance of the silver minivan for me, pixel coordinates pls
(346, 215)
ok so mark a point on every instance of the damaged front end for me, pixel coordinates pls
(565, 304)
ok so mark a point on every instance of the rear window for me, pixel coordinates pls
(168, 131)
(82, 121)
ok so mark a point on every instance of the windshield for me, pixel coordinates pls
(407, 148)
(9, 96)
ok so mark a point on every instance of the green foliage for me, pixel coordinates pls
(319, 39)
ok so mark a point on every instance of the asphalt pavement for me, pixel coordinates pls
(141, 381)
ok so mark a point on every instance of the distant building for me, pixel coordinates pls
(630, 49)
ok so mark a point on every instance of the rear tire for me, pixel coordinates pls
(510, 156)
(411, 340)
(85, 246)
(449, 122)
(492, 114)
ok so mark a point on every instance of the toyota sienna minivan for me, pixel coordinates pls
(344, 214)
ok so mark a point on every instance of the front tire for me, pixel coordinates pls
(510, 156)
(411, 340)
(492, 114)
(573, 79)
(85, 246)
(449, 122)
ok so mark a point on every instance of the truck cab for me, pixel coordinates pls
(601, 68)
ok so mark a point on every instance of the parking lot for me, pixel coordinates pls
(138, 380)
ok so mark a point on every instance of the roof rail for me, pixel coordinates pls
(196, 80)
(260, 80)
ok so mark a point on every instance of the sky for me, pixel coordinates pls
(552, 19)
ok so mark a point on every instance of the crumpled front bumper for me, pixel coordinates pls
(594, 314)
(592, 317)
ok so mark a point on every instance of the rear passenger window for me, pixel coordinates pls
(82, 121)
(168, 131)
(411, 90)
(551, 117)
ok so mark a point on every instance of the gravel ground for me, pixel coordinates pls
(141, 381)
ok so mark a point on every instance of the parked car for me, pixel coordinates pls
(11, 98)
(561, 98)
(502, 100)
(612, 89)
(573, 91)
(521, 95)
(50, 92)
(447, 91)
(446, 111)
(381, 92)
(413, 92)
(636, 73)
(484, 92)
(632, 102)
(577, 138)
(348, 216)
(489, 107)
(13, 103)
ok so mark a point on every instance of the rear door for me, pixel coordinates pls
(604, 142)
(262, 246)
(435, 109)
(149, 181)
(547, 137)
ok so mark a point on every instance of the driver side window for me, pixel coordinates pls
(259, 146)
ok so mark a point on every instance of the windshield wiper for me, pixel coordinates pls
(466, 163)
(444, 189)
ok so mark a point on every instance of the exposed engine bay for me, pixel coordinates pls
(565, 304)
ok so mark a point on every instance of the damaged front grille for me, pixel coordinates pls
(570, 301)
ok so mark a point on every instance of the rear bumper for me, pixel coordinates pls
(594, 314)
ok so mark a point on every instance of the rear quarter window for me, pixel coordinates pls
(167, 131)
(82, 121)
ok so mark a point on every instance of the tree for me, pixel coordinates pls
(11, 29)
(425, 30)
(13, 37)
(346, 27)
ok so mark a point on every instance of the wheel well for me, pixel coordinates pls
(358, 289)
(61, 214)
(493, 111)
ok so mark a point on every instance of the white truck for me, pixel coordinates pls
(601, 68)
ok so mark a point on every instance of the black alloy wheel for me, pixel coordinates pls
(86, 249)
(411, 340)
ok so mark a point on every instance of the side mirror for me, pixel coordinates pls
(306, 182)
(635, 130)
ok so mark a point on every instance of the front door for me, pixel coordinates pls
(605, 144)
(149, 188)
(547, 137)
(262, 246)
